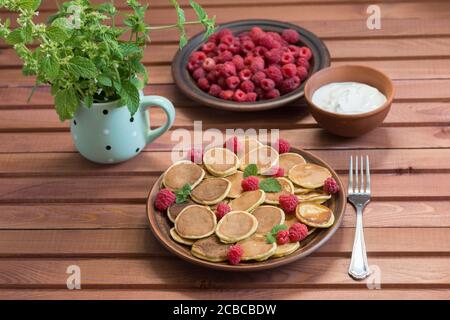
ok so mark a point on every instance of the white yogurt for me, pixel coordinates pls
(348, 97)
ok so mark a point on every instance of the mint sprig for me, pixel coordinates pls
(183, 193)
(271, 237)
(250, 170)
(270, 185)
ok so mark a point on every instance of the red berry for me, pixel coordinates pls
(198, 73)
(238, 62)
(215, 90)
(227, 39)
(233, 144)
(278, 172)
(235, 47)
(197, 56)
(268, 41)
(267, 84)
(298, 232)
(226, 94)
(225, 56)
(305, 52)
(274, 72)
(287, 57)
(203, 84)
(209, 47)
(282, 237)
(256, 33)
(248, 45)
(222, 47)
(257, 77)
(234, 254)
(302, 62)
(223, 32)
(289, 70)
(164, 199)
(252, 96)
(227, 69)
(192, 65)
(290, 84)
(195, 155)
(212, 76)
(260, 51)
(209, 64)
(273, 56)
(250, 183)
(288, 202)
(282, 146)
(222, 209)
(272, 94)
(330, 186)
(247, 86)
(257, 64)
(294, 50)
(302, 73)
(239, 96)
(245, 74)
(290, 36)
(233, 82)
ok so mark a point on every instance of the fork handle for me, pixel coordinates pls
(359, 267)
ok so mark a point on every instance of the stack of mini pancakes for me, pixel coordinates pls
(254, 213)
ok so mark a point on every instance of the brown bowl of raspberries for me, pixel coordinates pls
(249, 65)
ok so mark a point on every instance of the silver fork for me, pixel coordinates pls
(359, 196)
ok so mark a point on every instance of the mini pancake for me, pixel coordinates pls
(264, 157)
(235, 226)
(210, 249)
(248, 201)
(290, 159)
(236, 180)
(300, 190)
(286, 188)
(309, 175)
(195, 222)
(257, 248)
(175, 236)
(248, 144)
(290, 219)
(220, 162)
(174, 210)
(314, 196)
(181, 173)
(211, 191)
(268, 217)
(286, 249)
(314, 215)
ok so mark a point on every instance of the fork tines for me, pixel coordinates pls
(357, 184)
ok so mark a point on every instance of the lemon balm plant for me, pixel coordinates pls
(84, 54)
(91, 56)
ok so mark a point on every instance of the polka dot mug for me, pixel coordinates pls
(107, 133)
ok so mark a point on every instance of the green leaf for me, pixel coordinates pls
(14, 36)
(57, 34)
(27, 33)
(270, 185)
(66, 102)
(183, 193)
(130, 96)
(29, 4)
(180, 23)
(50, 67)
(88, 101)
(140, 68)
(104, 80)
(250, 170)
(82, 68)
(271, 236)
(201, 14)
(129, 49)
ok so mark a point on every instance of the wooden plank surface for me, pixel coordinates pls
(58, 209)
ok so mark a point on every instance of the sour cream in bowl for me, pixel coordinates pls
(349, 100)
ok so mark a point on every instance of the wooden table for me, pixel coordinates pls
(57, 209)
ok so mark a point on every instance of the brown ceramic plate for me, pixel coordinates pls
(160, 226)
(319, 60)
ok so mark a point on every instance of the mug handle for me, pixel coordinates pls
(167, 106)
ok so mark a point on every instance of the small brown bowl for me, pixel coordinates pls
(350, 125)
(320, 59)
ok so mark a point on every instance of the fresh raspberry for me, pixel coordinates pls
(203, 84)
(290, 84)
(225, 56)
(197, 56)
(257, 77)
(278, 172)
(277, 37)
(213, 38)
(212, 76)
(330, 185)
(302, 62)
(221, 210)
(164, 199)
(238, 62)
(198, 73)
(250, 183)
(233, 144)
(302, 73)
(227, 39)
(234, 254)
(249, 59)
(252, 96)
(209, 64)
(282, 237)
(192, 65)
(282, 146)
(248, 45)
(257, 64)
(223, 32)
(239, 96)
(267, 84)
(297, 232)
(256, 33)
(215, 90)
(272, 94)
(245, 74)
(288, 202)
(260, 92)
(269, 42)
(305, 52)
(290, 36)
(260, 51)
(289, 70)
(209, 47)
(222, 47)
(294, 50)
(274, 72)
(287, 58)
(195, 155)
(235, 47)
(221, 81)
(227, 69)
(226, 94)
(233, 82)
(273, 56)
(247, 86)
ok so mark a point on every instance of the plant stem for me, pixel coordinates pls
(169, 26)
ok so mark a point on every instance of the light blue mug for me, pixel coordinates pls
(107, 133)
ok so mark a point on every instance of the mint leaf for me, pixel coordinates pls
(250, 170)
(57, 34)
(104, 80)
(180, 23)
(183, 193)
(66, 103)
(14, 36)
(29, 4)
(271, 236)
(50, 67)
(270, 185)
(140, 68)
(82, 67)
(130, 96)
